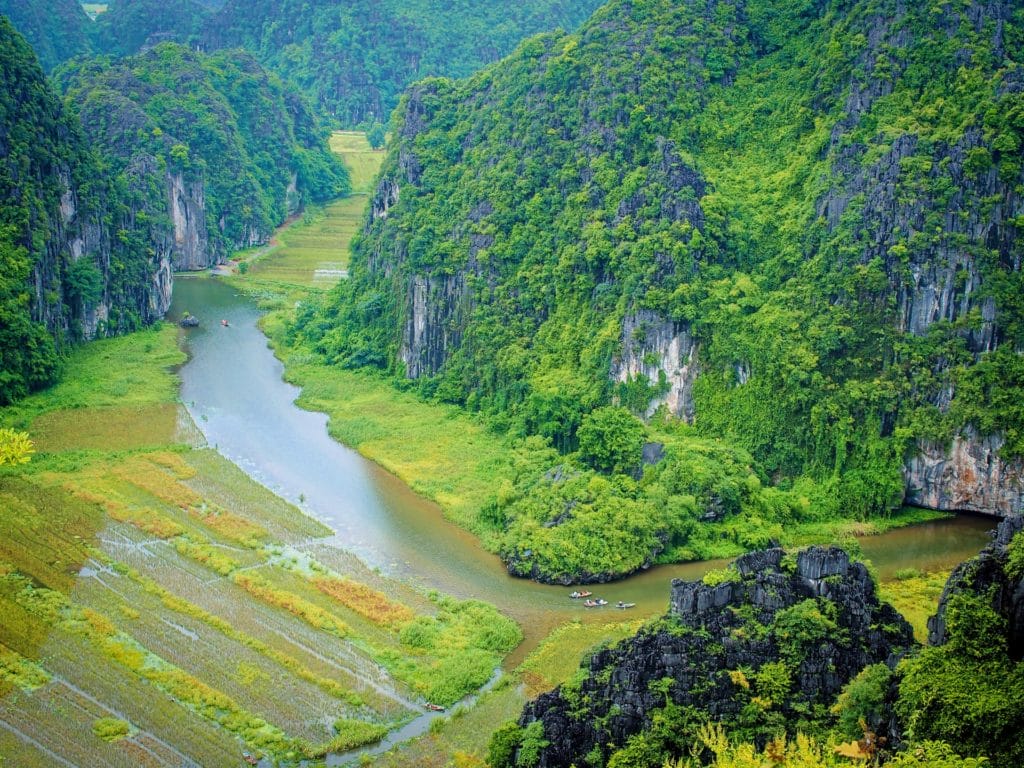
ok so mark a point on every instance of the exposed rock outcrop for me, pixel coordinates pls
(932, 262)
(695, 657)
(432, 330)
(187, 209)
(968, 475)
(665, 354)
(988, 575)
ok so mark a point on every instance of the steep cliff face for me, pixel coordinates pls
(798, 228)
(75, 260)
(934, 257)
(187, 208)
(436, 303)
(810, 621)
(215, 151)
(663, 354)
(968, 475)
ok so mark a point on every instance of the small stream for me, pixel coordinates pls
(233, 388)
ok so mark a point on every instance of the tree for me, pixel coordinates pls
(376, 136)
(611, 440)
(15, 447)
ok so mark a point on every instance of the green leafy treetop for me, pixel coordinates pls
(611, 440)
(15, 447)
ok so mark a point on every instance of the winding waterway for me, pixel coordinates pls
(233, 388)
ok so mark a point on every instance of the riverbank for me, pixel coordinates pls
(134, 561)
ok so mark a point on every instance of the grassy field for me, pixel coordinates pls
(94, 9)
(439, 451)
(461, 738)
(313, 251)
(915, 595)
(161, 607)
(362, 161)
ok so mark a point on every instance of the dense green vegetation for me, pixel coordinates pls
(758, 666)
(63, 273)
(129, 25)
(57, 30)
(354, 58)
(218, 121)
(171, 156)
(770, 182)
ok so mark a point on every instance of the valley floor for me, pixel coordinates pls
(161, 608)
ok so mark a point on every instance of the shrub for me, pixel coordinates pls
(720, 576)
(502, 748)
(110, 728)
(863, 699)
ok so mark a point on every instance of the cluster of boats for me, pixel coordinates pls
(597, 602)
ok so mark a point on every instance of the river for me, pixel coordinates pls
(232, 385)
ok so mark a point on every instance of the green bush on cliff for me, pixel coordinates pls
(967, 692)
(611, 440)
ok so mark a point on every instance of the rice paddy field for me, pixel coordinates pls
(94, 9)
(313, 251)
(160, 608)
(360, 158)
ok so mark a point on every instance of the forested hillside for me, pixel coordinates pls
(75, 260)
(57, 30)
(129, 25)
(217, 151)
(169, 160)
(354, 58)
(796, 226)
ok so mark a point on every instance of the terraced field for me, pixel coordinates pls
(160, 608)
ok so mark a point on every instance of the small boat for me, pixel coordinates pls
(624, 606)
(580, 595)
(435, 707)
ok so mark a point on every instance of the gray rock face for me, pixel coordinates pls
(713, 631)
(82, 234)
(968, 475)
(665, 354)
(432, 327)
(186, 204)
(986, 575)
(937, 277)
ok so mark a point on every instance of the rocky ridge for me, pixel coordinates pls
(812, 618)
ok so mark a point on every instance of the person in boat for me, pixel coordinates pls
(224, 323)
